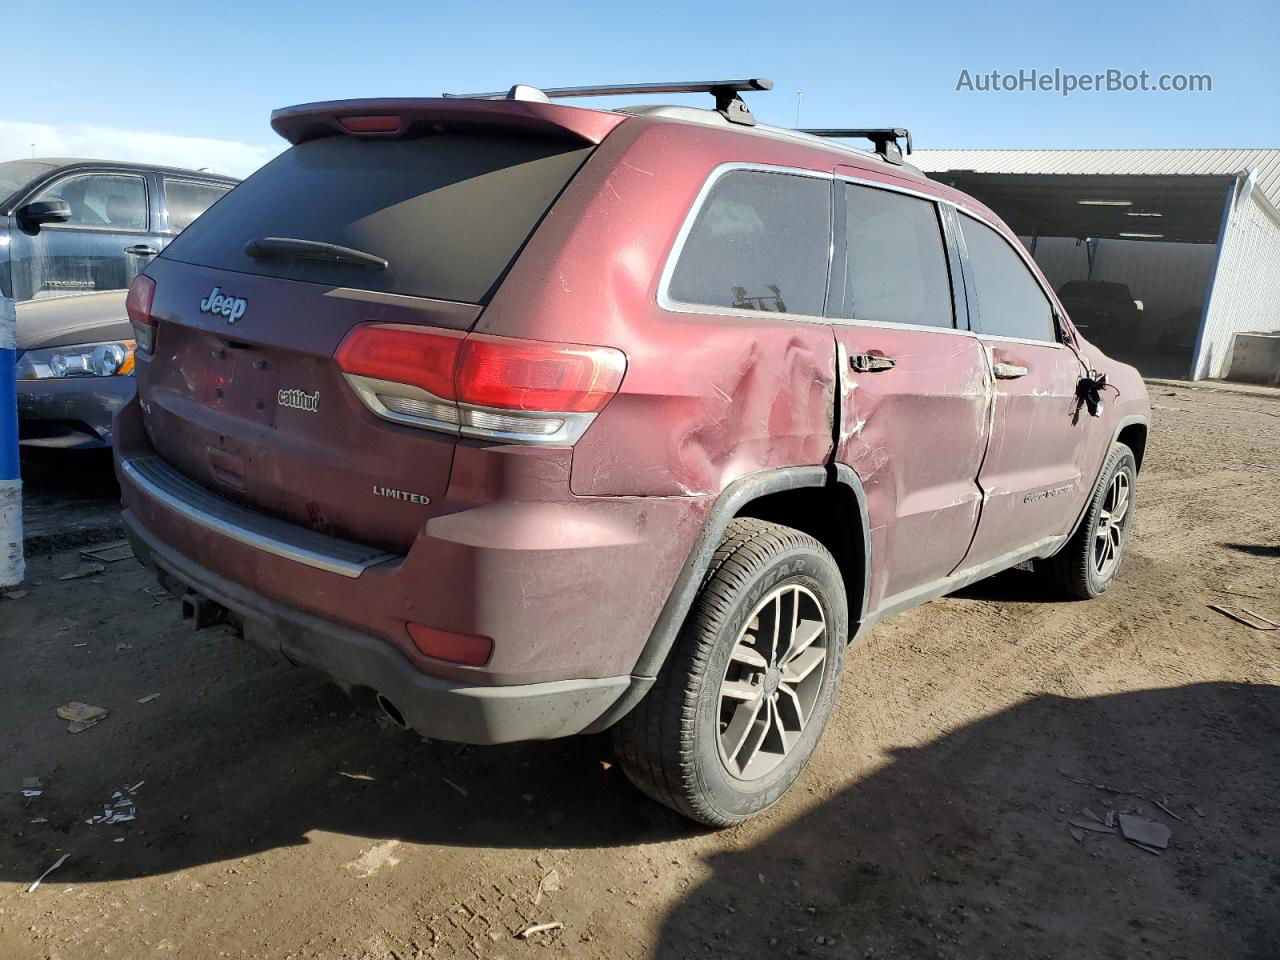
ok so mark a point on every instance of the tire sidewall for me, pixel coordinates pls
(1121, 459)
(732, 798)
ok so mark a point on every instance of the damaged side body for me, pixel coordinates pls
(759, 381)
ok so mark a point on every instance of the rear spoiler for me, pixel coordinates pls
(393, 118)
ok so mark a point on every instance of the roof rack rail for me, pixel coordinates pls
(726, 92)
(885, 139)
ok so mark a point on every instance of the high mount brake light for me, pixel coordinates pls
(527, 391)
(142, 294)
(371, 124)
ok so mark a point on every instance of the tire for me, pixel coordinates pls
(1075, 569)
(677, 744)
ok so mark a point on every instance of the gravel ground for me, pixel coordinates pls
(274, 819)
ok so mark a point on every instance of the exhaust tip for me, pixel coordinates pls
(392, 713)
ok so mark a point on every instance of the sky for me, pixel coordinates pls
(195, 85)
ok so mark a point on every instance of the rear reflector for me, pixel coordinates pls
(377, 124)
(142, 294)
(455, 647)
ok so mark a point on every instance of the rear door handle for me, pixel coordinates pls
(871, 363)
(1008, 371)
(141, 250)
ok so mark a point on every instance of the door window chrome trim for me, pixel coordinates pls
(146, 199)
(165, 180)
(672, 305)
(1028, 264)
(936, 203)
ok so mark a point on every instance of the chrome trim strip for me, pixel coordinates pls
(572, 427)
(251, 538)
(368, 388)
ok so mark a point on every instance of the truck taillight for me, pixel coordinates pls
(142, 293)
(527, 391)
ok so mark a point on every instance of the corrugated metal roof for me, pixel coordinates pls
(1107, 162)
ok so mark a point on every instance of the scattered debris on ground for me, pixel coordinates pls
(148, 698)
(40, 879)
(1244, 615)
(32, 787)
(537, 928)
(15, 594)
(1143, 831)
(85, 570)
(110, 552)
(121, 808)
(374, 859)
(81, 716)
(549, 884)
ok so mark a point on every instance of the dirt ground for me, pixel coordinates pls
(274, 820)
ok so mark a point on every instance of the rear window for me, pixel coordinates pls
(447, 212)
(761, 241)
(187, 199)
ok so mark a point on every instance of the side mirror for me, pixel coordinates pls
(38, 212)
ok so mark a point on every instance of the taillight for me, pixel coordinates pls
(142, 293)
(529, 375)
(526, 391)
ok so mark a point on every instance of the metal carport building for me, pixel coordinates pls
(1194, 233)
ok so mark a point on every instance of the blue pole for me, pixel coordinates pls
(11, 563)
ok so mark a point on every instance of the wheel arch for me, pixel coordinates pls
(799, 497)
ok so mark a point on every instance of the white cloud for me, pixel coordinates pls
(111, 143)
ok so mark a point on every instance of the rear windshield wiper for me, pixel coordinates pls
(290, 248)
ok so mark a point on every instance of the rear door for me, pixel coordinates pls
(916, 398)
(1032, 471)
(243, 395)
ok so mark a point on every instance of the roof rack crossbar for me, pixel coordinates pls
(726, 92)
(885, 139)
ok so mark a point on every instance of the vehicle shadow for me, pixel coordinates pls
(1255, 549)
(1013, 586)
(69, 498)
(242, 753)
(964, 847)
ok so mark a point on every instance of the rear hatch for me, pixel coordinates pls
(242, 394)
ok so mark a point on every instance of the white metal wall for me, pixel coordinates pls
(1246, 289)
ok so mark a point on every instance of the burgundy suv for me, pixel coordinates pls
(536, 420)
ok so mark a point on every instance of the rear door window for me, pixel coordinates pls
(187, 199)
(448, 212)
(897, 264)
(1010, 301)
(761, 241)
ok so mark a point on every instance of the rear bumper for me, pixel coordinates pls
(70, 414)
(433, 706)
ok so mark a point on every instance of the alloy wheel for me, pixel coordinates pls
(772, 682)
(1113, 520)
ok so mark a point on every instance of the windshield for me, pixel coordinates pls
(447, 212)
(16, 174)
